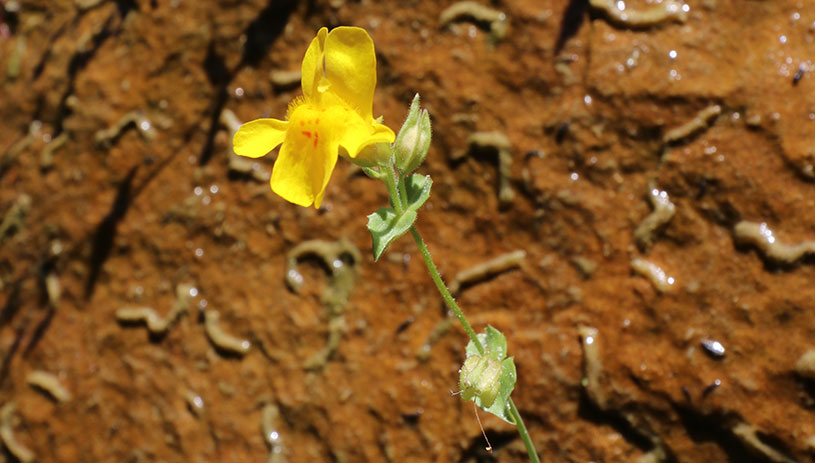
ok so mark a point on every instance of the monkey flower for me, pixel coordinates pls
(334, 116)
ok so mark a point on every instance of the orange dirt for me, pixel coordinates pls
(122, 218)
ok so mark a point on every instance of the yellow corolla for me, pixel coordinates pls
(334, 116)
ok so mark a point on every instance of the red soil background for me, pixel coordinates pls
(585, 103)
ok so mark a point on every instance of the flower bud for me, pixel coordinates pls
(413, 141)
(480, 377)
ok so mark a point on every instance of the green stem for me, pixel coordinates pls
(403, 192)
(519, 423)
(390, 183)
(445, 293)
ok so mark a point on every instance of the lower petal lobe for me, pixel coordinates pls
(256, 138)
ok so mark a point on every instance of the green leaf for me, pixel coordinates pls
(493, 341)
(417, 187)
(385, 226)
(495, 345)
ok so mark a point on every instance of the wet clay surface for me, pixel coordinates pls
(646, 323)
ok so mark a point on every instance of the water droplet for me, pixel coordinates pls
(193, 291)
(199, 252)
(672, 54)
(782, 39)
(296, 277)
(766, 232)
(574, 176)
(589, 340)
(621, 5)
(213, 189)
(587, 99)
(145, 125)
(239, 91)
(198, 191)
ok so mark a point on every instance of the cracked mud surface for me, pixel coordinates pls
(116, 188)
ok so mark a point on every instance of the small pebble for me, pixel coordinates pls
(806, 365)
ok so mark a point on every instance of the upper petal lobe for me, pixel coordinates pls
(350, 67)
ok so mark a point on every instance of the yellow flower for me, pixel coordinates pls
(334, 116)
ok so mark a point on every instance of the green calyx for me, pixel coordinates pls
(413, 140)
(480, 377)
(488, 376)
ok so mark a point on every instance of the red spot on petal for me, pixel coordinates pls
(306, 133)
(316, 139)
(302, 123)
(317, 121)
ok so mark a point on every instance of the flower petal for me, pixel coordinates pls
(256, 138)
(304, 166)
(353, 133)
(354, 141)
(350, 66)
(312, 67)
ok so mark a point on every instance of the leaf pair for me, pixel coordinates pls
(386, 224)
